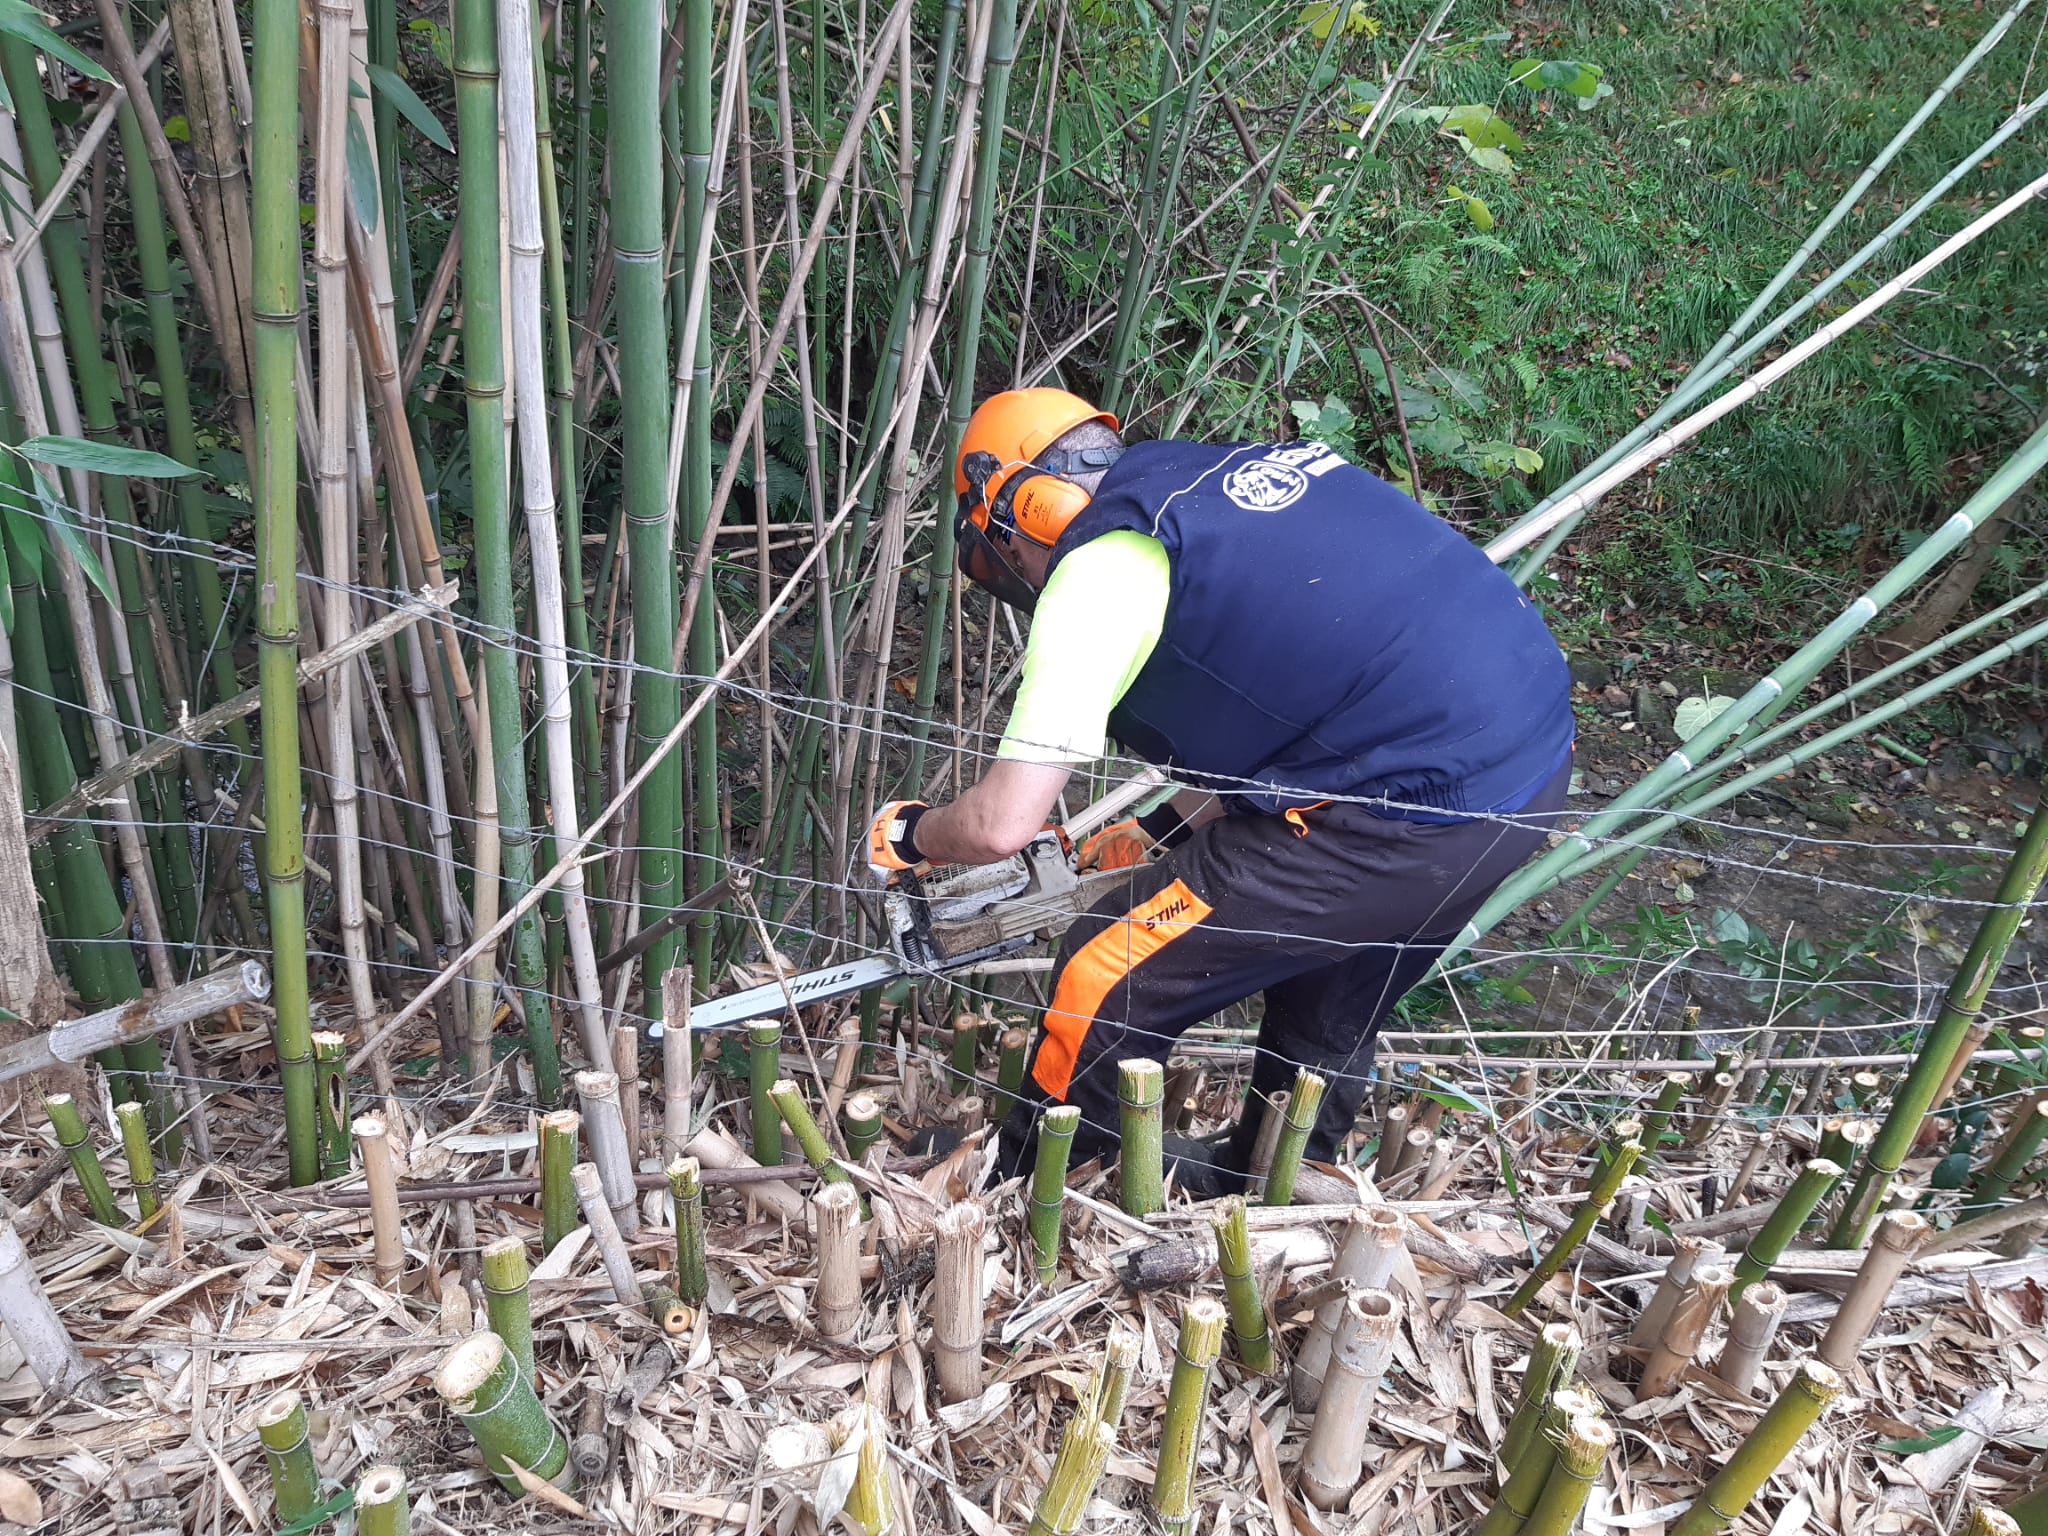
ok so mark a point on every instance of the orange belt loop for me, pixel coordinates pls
(1298, 818)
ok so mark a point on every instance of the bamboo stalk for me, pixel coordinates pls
(966, 1047)
(1806, 1397)
(1684, 1330)
(288, 1452)
(1248, 1324)
(2022, 1142)
(559, 1132)
(1187, 1400)
(686, 1185)
(1393, 1141)
(382, 1508)
(1302, 1108)
(1659, 1118)
(33, 1324)
(1523, 1488)
(1687, 1252)
(1010, 1064)
(837, 1298)
(386, 1236)
(1553, 1360)
(505, 1299)
(1758, 1312)
(1049, 1186)
(480, 1380)
(1898, 1237)
(1333, 1460)
(675, 1060)
(330, 1077)
(141, 1161)
(787, 1101)
(604, 1233)
(604, 1131)
(1598, 1197)
(1084, 1450)
(1581, 1453)
(1141, 1094)
(1373, 1242)
(1113, 1380)
(84, 1158)
(1807, 1189)
(626, 1067)
(863, 1125)
(764, 1069)
(870, 1507)
(957, 1297)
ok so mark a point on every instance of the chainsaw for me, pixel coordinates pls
(953, 919)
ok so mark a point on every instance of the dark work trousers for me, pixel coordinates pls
(1333, 913)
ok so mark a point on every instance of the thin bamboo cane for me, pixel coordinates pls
(604, 1129)
(1141, 1092)
(1598, 1197)
(559, 1132)
(1187, 1401)
(480, 1380)
(1807, 1189)
(141, 1161)
(1805, 1398)
(1248, 1322)
(788, 1101)
(1333, 1460)
(604, 1233)
(387, 1238)
(686, 1186)
(1898, 1238)
(1758, 1313)
(2022, 1142)
(836, 1209)
(957, 1296)
(84, 1159)
(1302, 1109)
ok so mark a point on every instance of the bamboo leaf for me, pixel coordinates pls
(1938, 1438)
(103, 458)
(362, 175)
(27, 534)
(26, 22)
(391, 85)
(65, 521)
(341, 1500)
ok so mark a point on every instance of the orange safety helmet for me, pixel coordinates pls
(1004, 494)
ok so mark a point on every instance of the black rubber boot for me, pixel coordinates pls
(1205, 1167)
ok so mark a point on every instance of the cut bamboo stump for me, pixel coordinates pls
(1807, 1189)
(604, 1131)
(686, 1189)
(288, 1452)
(1758, 1312)
(1985, 1521)
(135, 1147)
(559, 1131)
(1553, 1360)
(505, 1298)
(1393, 1142)
(675, 1060)
(1684, 1330)
(1898, 1237)
(1302, 1108)
(1333, 1460)
(870, 1507)
(481, 1382)
(1267, 1142)
(1248, 1324)
(1524, 1486)
(33, 1324)
(1806, 1397)
(1049, 1187)
(626, 1068)
(1581, 1453)
(1366, 1256)
(1187, 1400)
(382, 1508)
(862, 1122)
(1686, 1253)
(957, 1322)
(386, 1237)
(1141, 1096)
(330, 1095)
(764, 1066)
(1598, 1198)
(1076, 1471)
(604, 1233)
(1113, 1383)
(85, 1160)
(837, 1299)
(788, 1100)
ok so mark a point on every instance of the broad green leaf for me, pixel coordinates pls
(1477, 211)
(1695, 714)
(103, 458)
(1358, 21)
(26, 22)
(1652, 1219)
(362, 174)
(1489, 159)
(392, 87)
(65, 521)
(1938, 1438)
(1482, 127)
(178, 129)
(341, 1500)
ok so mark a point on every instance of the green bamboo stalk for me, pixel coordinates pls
(788, 1099)
(1659, 1118)
(481, 1381)
(1167, 107)
(2022, 1142)
(870, 1030)
(1187, 1399)
(330, 1079)
(1523, 1488)
(1301, 1119)
(1113, 1379)
(861, 1119)
(85, 1160)
(288, 1451)
(1959, 1011)
(559, 1213)
(1084, 1450)
(1581, 1453)
(966, 1047)
(141, 1161)
(274, 477)
(505, 1298)
(686, 1186)
(1141, 1093)
(1807, 1189)
(1806, 1397)
(1240, 1288)
(764, 1069)
(1553, 1359)
(1049, 1186)
(1016, 1051)
(382, 1508)
(1598, 1198)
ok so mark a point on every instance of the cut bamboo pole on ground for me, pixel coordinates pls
(387, 1237)
(53, 1358)
(957, 1303)
(837, 1298)
(1333, 1459)
(1366, 1256)
(1187, 1401)
(1806, 1397)
(482, 1384)
(1898, 1237)
(1758, 1312)
(1684, 1331)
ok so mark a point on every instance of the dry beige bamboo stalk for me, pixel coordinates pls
(1334, 1458)
(1683, 1331)
(957, 1303)
(604, 1129)
(1758, 1313)
(604, 1232)
(1393, 1141)
(626, 1067)
(38, 1332)
(1759, 1149)
(1268, 1142)
(714, 1149)
(386, 1236)
(1686, 1253)
(675, 1060)
(1440, 1171)
(837, 1300)
(1898, 1237)
(1371, 1246)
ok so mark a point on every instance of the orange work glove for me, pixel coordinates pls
(892, 840)
(1120, 845)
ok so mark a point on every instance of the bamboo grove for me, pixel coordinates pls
(476, 502)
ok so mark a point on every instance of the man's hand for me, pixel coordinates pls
(892, 839)
(1120, 845)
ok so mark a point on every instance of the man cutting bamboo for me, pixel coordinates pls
(1372, 722)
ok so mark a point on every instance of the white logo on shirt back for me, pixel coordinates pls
(1263, 485)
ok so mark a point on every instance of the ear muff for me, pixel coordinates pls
(1038, 504)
